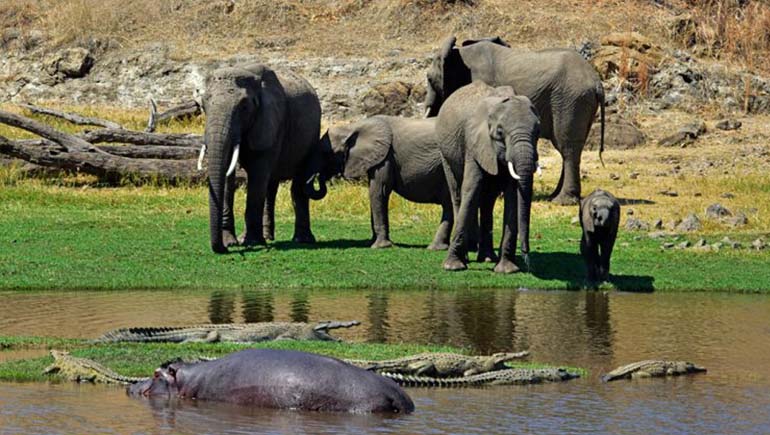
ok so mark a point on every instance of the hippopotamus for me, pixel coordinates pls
(284, 379)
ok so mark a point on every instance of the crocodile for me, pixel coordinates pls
(231, 332)
(441, 364)
(652, 369)
(518, 376)
(85, 370)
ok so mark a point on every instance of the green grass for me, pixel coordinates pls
(81, 237)
(140, 359)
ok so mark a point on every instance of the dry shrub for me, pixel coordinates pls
(18, 13)
(736, 30)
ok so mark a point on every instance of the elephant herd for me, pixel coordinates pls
(486, 107)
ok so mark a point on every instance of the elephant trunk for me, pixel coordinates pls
(314, 171)
(221, 136)
(524, 156)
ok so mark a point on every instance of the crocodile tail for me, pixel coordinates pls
(325, 326)
(134, 334)
(425, 381)
(600, 96)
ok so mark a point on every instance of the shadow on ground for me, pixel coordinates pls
(570, 268)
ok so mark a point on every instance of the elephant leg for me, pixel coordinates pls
(569, 193)
(441, 239)
(457, 257)
(590, 252)
(486, 253)
(604, 259)
(268, 217)
(228, 218)
(256, 191)
(506, 263)
(453, 186)
(301, 203)
(380, 186)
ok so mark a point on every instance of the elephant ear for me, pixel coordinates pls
(368, 145)
(586, 220)
(454, 73)
(478, 137)
(495, 40)
(268, 130)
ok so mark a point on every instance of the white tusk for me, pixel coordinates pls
(427, 112)
(539, 169)
(234, 162)
(513, 172)
(200, 157)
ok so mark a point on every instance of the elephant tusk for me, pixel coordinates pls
(200, 157)
(234, 161)
(427, 112)
(539, 170)
(513, 172)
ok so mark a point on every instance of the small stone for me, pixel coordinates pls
(716, 246)
(630, 212)
(634, 224)
(656, 234)
(633, 175)
(694, 129)
(614, 177)
(669, 192)
(728, 195)
(672, 224)
(758, 244)
(667, 245)
(700, 243)
(697, 194)
(738, 220)
(726, 241)
(729, 124)
(717, 211)
(575, 220)
(689, 223)
(683, 245)
(658, 224)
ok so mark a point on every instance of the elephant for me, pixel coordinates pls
(282, 379)
(277, 119)
(395, 154)
(564, 87)
(488, 143)
(599, 219)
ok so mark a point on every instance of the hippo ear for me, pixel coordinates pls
(368, 145)
(478, 138)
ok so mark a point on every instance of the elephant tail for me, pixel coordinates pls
(600, 96)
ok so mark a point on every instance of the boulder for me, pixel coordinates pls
(619, 134)
(728, 124)
(717, 211)
(689, 223)
(395, 98)
(70, 63)
(634, 224)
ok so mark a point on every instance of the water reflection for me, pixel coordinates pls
(377, 310)
(221, 307)
(257, 306)
(300, 306)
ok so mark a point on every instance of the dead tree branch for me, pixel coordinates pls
(189, 108)
(140, 138)
(72, 117)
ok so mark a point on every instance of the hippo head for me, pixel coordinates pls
(162, 384)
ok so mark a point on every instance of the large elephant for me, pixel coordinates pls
(564, 87)
(270, 123)
(395, 154)
(488, 142)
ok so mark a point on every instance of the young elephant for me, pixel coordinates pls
(488, 142)
(599, 218)
(396, 154)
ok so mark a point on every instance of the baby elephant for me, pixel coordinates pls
(394, 154)
(599, 218)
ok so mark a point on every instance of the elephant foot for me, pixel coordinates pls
(382, 243)
(506, 266)
(486, 256)
(248, 240)
(219, 249)
(304, 238)
(438, 246)
(229, 239)
(454, 264)
(268, 235)
(565, 199)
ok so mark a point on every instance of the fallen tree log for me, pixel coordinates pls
(72, 117)
(108, 135)
(189, 108)
(106, 166)
(151, 152)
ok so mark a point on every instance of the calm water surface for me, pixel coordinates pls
(729, 334)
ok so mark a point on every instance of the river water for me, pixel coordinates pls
(728, 334)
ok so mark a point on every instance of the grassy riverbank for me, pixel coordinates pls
(140, 359)
(83, 237)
